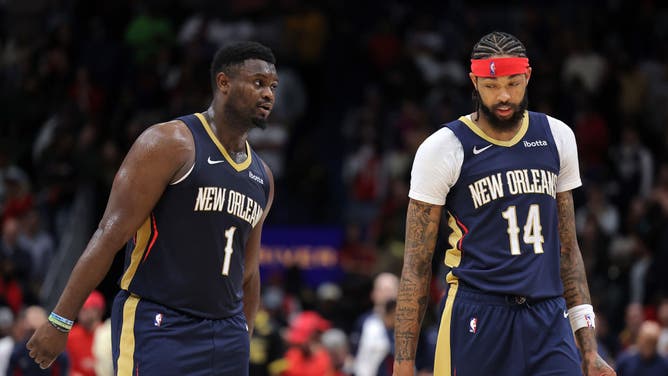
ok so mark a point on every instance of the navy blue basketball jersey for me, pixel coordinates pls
(502, 213)
(189, 254)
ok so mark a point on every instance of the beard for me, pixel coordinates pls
(509, 123)
(259, 122)
(245, 119)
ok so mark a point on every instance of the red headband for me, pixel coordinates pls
(497, 67)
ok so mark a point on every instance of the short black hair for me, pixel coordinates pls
(235, 54)
(498, 43)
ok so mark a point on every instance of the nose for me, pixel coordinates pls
(503, 96)
(268, 94)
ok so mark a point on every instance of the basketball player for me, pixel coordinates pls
(189, 199)
(499, 180)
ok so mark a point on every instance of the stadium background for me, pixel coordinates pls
(362, 84)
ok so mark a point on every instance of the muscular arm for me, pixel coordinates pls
(161, 154)
(573, 277)
(422, 222)
(251, 297)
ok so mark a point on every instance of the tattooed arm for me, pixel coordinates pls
(576, 291)
(422, 222)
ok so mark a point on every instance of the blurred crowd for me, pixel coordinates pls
(361, 85)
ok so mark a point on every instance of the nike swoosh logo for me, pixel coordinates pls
(478, 151)
(221, 161)
(565, 314)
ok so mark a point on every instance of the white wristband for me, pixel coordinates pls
(582, 316)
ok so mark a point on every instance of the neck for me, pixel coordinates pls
(232, 138)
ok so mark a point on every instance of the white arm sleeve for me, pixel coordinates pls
(569, 171)
(436, 167)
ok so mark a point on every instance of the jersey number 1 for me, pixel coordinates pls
(532, 229)
(229, 235)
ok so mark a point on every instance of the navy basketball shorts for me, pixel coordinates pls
(151, 339)
(483, 334)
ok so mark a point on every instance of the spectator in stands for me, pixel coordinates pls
(662, 316)
(335, 341)
(374, 342)
(643, 359)
(17, 260)
(80, 340)
(104, 363)
(38, 243)
(633, 319)
(20, 363)
(6, 340)
(306, 355)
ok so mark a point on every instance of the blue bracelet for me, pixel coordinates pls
(60, 322)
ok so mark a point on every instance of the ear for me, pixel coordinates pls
(528, 74)
(222, 82)
(474, 80)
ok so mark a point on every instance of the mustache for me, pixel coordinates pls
(514, 106)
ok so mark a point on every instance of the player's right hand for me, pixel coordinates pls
(46, 344)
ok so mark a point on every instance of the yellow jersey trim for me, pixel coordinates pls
(143, 237)
(453, 255)
(520, 133)
(237, 166)
(125, 362)
(443, 359)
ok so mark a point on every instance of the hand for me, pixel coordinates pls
(46, 344)
(404, 368)
(594, 365)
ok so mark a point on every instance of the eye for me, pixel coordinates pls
(490, 86)
(516, 83)
(257, 83)
(273, 87)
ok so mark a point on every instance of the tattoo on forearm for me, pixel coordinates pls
(572, 270)
(421, 231)
(572, 267)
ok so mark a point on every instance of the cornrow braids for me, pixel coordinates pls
(496, 43)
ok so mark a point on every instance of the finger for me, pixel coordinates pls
(44, 364)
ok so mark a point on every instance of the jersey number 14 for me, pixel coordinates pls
(532, 229)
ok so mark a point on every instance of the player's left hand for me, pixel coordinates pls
(594, 365)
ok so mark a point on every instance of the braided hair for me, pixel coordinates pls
(496, 43)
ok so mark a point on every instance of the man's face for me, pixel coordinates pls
(251, 95)
(503, 100)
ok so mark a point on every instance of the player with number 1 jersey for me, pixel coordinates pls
(189, 202)
(197, 232)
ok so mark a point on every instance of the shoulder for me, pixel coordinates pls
(558, 127)
(442, 140)
(168, 134)
(443, 148)
(167, 142)
(563, 135)
(167, 148)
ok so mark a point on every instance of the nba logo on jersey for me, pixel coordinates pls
(473, 325)
(158, 320)
(492, 69)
